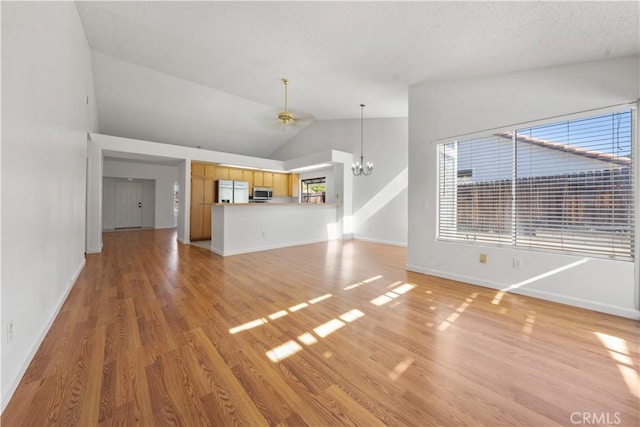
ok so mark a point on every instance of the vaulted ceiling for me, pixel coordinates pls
(209, 73)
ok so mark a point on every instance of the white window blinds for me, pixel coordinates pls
(565, 186)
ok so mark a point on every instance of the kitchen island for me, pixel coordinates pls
(238, 228)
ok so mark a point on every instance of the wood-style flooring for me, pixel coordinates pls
(156, 333)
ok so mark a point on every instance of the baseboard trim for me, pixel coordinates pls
(14, 385)
(383, 242)
(534, 293)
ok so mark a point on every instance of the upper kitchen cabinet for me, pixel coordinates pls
(280, 185)
(258, 178)
(209, 170)
(294, 185)
(267, 179)
(197, 169)
(222, 172)
(247, 175)
(236, 174)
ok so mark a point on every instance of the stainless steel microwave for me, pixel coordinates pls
(262, 193)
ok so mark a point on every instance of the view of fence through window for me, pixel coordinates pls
(313, 190)
(565, 186)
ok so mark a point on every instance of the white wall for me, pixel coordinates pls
(165, 176)
(148, 211)
(379, 200)
(46, 77)
(184, 200)
(460, 107)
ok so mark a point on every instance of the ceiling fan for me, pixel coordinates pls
(285, 117)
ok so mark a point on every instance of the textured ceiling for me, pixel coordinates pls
(225, 59)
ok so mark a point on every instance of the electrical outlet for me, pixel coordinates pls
(518, 263)
(483, 258)
(10, 331)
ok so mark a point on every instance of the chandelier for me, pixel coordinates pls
(359, 168)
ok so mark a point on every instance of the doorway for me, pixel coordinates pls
(128, 204)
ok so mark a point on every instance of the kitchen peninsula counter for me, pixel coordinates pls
(238, 228)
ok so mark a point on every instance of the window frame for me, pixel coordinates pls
(634, 248)
(309, 181)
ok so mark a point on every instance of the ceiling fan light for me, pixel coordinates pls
(286, 118)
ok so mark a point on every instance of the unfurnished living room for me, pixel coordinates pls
(320, 213)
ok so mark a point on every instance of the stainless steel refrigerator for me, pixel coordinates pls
(228, 191)
(240, 192)
(224, 191)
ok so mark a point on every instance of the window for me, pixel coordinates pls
(313, 190)
(566, 186)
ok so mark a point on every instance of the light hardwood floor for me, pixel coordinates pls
(158, 333)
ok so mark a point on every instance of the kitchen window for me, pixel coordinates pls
(566, 186)
(313, 190)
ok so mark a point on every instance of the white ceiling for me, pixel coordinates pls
(208, 73)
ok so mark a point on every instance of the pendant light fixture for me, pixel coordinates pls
(359, 168)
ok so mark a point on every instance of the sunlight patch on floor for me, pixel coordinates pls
(496, 300)
(291, 347)
(283, 351)
(298, 307)
(328, 328)
(364, 282)
(391, 295)
(320, 298)
(619, 352)
(456, 314)
(400, 368)
(248, 325)
(307, 339)
(277, 314)
(352, 315)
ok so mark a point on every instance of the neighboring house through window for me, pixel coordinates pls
(566, 186)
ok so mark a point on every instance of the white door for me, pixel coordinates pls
(128, 204)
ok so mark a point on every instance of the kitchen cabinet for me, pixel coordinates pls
(247, 175)
(235, 174)
(267, 179)
(210, 170)
(196, 229)
(209, 197)
(197, 169)
(203, 176)
(258, 178)
(280, 185)
(294, 185)
(222, 172)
